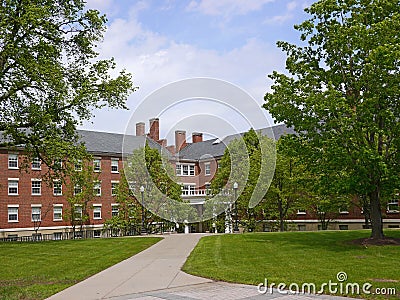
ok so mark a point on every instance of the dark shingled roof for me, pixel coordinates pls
(202, 150)
(98, 142)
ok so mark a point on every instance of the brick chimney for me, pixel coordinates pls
(140, 128)
(197, 137)
(180, 140)
(154, 129)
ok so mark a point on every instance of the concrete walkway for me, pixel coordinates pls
(156, 268)
(156, 274)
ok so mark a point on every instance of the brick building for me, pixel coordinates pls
(25, 198)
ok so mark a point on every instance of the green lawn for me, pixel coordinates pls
(38, 270)
(296, 257)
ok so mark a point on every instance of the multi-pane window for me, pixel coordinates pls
(36, 213)
(96, 212)
(57, 164)
(36, 187)
(207, 169)
(13, 161)
(114, 165)
(208, 188)
(114, 187)
(57, 188)
(301, 211)
(12, 213)
(97, 164)
(78, 165)
(36, 163)
(57, 213)
(184, 170)
(393, 206)
(114, 210)
(78, 213)
(77, 189)
(97, 188)
(188, 189)
(12, 186)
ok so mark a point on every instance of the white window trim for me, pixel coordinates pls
(115, 160)
(97, 206)
(113, 181)
(99, 159)
(188, 165)
(8, 215)
(60, 206)
(209, 169)
(57, 181)
(8, 161)
(94, 187)
(301, 212)
(40, 212)
(393, 211)
(79, 162)
(8, 186)
(36, 180)
(40, 164)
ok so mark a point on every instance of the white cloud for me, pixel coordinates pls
(226, 7)
(155, 60)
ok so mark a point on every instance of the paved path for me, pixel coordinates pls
(155, 273)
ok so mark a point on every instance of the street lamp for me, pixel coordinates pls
(235, 188)
(143, 230)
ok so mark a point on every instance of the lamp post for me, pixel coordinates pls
(143, 230)
(235, 188)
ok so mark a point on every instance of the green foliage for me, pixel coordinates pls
(342, 97)
(296, 257)
(61, 264)
(50, 76)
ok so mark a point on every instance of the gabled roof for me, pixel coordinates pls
(216, 148)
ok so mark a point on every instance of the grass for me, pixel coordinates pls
(39, 270)
(296, 257)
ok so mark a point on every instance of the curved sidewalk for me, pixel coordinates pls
(155, 274)
(156, 268)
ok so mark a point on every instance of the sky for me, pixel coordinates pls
(165, 41)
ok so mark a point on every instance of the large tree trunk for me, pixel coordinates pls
(376, 215)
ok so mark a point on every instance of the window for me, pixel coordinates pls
(301, 211)
(36, 213)
(114, 210)
(184, 170)
(78, 165)
(208, 188)
(13, 186)
(57, 213)
(393, 206)
(36, 187)
(114, 187)
(77, 189)
(57, 164)
(13, 213)
(96, 212)
(13, 161)
(97, 188)
(207, 169)
(57, 188)
(178, 169)
(301, 227)
(188, 189)
(97, 165)
(343, 227)
(114, 165)
(78, 212)
(36, 163)
(97, 233)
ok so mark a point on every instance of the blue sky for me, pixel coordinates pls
(163, 41)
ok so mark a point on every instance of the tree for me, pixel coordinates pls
(288, 189)
(50, 77)
(341, 96)
(80, 185)
(247, 169)
(162, 195)
(128, 217)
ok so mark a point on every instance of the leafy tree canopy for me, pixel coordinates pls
(50, 76)
(342, 95)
